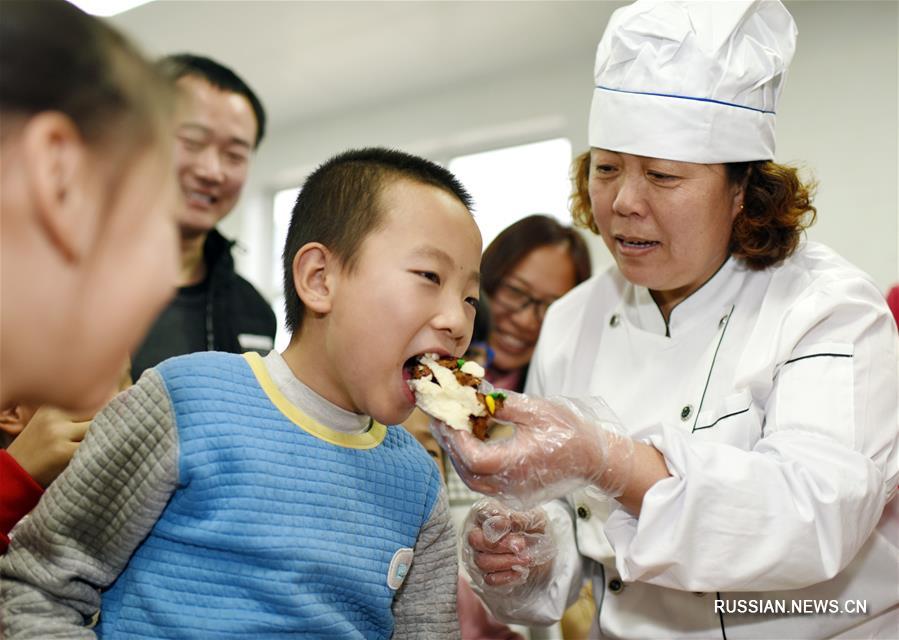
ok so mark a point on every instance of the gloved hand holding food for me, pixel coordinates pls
(558, 445)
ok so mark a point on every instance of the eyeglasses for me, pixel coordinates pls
(513, 299)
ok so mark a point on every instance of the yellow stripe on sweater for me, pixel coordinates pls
(367, 440)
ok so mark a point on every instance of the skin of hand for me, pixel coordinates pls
(47, 443)
(507, 548)
(49, 440)
(559, 445)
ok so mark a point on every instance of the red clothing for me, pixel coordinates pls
(19, 493)
(509, 380)
(893, 302)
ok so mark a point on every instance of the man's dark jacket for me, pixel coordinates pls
(223, 313)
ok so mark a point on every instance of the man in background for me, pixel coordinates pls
(219, 125)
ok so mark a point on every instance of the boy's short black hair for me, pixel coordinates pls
(179, 65)
(338, 206)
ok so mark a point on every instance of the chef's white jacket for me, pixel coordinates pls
(773, 397)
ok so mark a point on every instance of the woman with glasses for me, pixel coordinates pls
(527, 267)
(739, 479)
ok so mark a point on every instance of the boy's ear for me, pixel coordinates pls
(56, 160)
(312, 266)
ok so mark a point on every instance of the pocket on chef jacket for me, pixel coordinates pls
(814, 391)
(733, 420)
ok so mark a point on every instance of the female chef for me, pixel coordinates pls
(753, 374)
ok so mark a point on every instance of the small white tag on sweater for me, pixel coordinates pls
(399, 568)
(254, 342)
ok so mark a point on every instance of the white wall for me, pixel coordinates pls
(838, 117)
(528, 105)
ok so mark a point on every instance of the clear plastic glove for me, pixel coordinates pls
(508, 553)
(558, 445)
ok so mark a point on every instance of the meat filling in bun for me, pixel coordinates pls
(450, 390)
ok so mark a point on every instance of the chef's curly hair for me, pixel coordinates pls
(777, 209)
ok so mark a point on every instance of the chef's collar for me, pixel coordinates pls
(706, 304)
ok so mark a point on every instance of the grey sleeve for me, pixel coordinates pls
(85, 528)
(425, 606)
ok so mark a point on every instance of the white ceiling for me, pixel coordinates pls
(311, 59)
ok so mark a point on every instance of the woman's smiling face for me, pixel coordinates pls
(541, 277)
(667, 224)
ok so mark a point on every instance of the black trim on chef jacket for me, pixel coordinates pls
(664, 319)
(601, 595)
(818, 355)
(729, 415)
(711, 368)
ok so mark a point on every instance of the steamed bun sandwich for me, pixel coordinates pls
(449, 389)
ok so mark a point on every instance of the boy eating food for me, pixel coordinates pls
(226, 495)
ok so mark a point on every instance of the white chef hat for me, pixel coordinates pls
(695, 81)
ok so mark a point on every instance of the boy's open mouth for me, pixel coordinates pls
(408, 366)
(413, 368)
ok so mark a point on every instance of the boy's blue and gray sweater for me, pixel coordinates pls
(211, 505)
